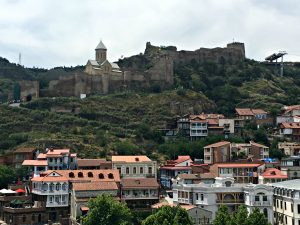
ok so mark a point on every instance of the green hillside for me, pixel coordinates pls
(102, 125)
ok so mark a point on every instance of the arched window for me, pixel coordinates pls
(71, 175)
(80, 174)
(45, 187)
(127, 170)
(141, 170)
(58, 186)
(110, 176)
(134, 170)
(64, 186)
(90, 174)
(150, 170)
(51, 187)
(101, 176)
(228, 183)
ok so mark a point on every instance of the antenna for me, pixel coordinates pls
(20, 59)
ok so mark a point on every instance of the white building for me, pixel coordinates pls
(139, 166)
(286, 204)
(225, 191)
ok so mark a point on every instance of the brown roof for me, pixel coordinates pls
(35, 163)
(130, 158)
(273, 173)
(206, 116)
(290, 125)
(218, 144)
(90, 162)
(188, 176)
(141, 183)
(41, 156)
(88, 175)
(244, 111)
(257, 144)
(24, 150)
(95, 186)
(207, 175)
(165, 203)
(258, 111)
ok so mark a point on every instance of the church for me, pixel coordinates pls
(101, 66)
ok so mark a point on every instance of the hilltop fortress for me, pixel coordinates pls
(140, 72)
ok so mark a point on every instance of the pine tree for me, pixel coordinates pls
(223, 217)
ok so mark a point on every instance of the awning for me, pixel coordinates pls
(5, 191)
(84, 208)
(20, 190)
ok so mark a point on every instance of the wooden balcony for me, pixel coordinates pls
(13, 197)
(23, 210)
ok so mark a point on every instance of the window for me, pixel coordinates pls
(265, 198)
(63, 198)
(101, 176)
(58, 186)
(134, 170)
(51, 187)
(256, 198)
(292, 207)
(90, 174)
(127, 170)
(298, 208)
(64, 186)
(150, 170)
(110, 176)
(24, 218)
(281, 204)
(50, 199)
(202, 197)
(51, 160)
(141, 170)
(57, 199)
(45, 187)
(196, 196)
(71, 175)
(285, 205)
(80, 174)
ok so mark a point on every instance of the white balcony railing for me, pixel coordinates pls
(50, 192)
(262, 203)
(57, 204)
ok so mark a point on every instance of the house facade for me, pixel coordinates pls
(139, 166)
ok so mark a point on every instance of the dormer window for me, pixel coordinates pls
(71, 175)
(137, 159)
(110, 176)
(80, 174)
(101, 176)
(90, 174)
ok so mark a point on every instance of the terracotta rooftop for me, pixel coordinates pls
(293, 125)
(291, 108)
(218, 144)
(130, 158)
(273, 173)
(41, 156)
(206, 116)
(25, 150)
(131, 183)
(244, 112)
(88, 175)
(257, 144)
(95, 186)
(259, 111)
(90, 162)
(176, 167)
(165, 203)
(35, 163)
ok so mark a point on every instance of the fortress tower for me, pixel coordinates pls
(100, 52)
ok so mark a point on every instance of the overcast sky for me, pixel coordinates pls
(51, 33)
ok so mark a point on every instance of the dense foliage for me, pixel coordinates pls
(241, 217)
(105, 210)
(168, 215)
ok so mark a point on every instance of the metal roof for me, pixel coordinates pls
(101, 46)
(289, 184)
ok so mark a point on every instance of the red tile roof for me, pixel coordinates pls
(290, 125)
(140, 183)
(95, 186)
(273, 173)
(176, 167)
(259, 111)
(130, 158)
(244, 112)
(218, 144)
(257, 144)
(90, 162)
(35, 163)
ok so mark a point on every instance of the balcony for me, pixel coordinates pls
(57, 204)
(232, 201)
(23, 210)
(50, 192)
(262, 203)
(185, 200)
(140, 196)
(18, 197)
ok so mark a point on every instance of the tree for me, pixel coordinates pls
(105, 210)
(257, 218)
(240, 217)
(222, 217)
(168, 215)
(7, 175)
